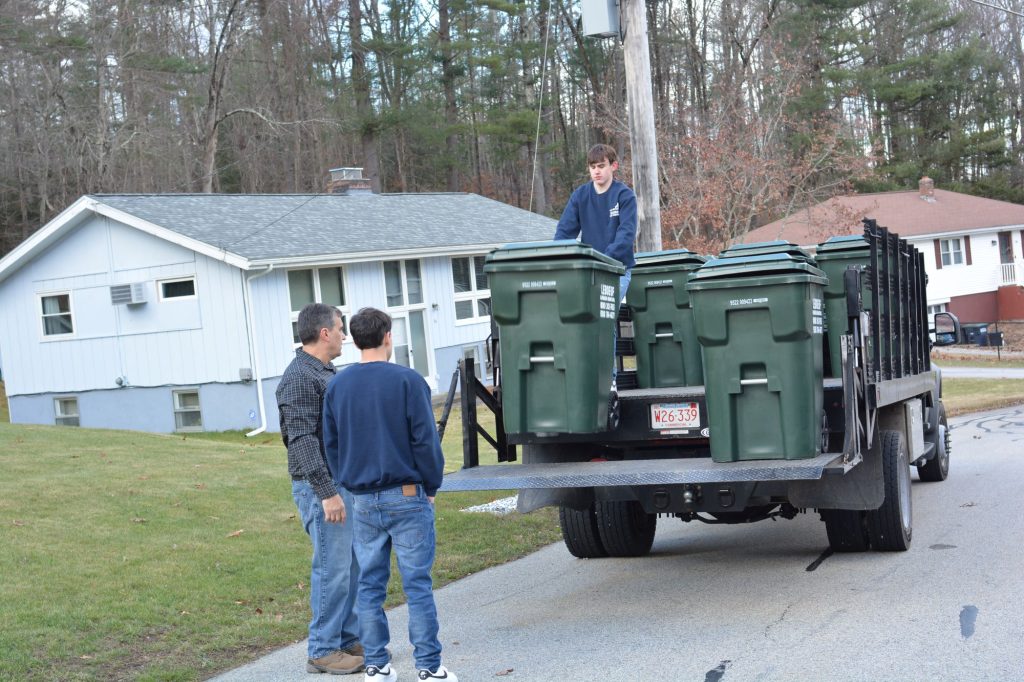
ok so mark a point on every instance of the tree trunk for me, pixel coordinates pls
(361, 87)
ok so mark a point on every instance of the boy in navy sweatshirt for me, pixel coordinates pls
(604, 210)
(381, 444)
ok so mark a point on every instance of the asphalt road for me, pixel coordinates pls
(983, 372)
(763, 601)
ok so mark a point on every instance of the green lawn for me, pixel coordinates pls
(974, 395)
(130, 555)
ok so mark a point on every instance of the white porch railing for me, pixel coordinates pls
(1009, 273)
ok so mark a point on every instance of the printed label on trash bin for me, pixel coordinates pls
(539, 284)
(748, 301)
(817, 316)
(609, 309)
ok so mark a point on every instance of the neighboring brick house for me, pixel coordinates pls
(972, 245)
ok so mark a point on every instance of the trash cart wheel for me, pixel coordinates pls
(847, 530)
(579, 532)
(626, 530)
(937, 468)
(891, 525)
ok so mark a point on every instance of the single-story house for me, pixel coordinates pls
(972, 245)
(175, 312)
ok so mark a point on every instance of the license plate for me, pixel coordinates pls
(675, 417)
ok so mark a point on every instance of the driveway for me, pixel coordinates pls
(761, 601)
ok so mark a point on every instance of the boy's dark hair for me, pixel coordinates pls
(313, 318)
(601, 152)
(368, 327)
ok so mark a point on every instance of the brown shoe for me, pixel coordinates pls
(356, 649)
(335, 663)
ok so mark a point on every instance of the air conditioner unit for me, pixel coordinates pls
(128, 294)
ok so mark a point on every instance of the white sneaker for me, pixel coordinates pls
(378, 674)
(442, 673)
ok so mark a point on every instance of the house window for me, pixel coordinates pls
(472, 294)
(316, 285)
(187, 415)
(951, 251)
(65, 411)
(178, 288)
(56, 312)
(403, 284)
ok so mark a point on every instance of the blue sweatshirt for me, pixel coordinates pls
(608, 221)
(379, 429)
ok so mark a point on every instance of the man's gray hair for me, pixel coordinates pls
(313, 318)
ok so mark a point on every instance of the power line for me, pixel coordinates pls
(1001, 9)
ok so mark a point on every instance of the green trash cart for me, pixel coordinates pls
(834, 256)
(667, 350)
(557, 305)
(760, 321)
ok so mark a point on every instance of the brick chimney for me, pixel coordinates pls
(347, 181)
(926, 188)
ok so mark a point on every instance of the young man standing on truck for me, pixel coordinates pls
(382, 445)
(604, 210)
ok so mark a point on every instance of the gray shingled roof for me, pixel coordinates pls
(274, 226)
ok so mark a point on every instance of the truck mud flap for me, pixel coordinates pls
(860, 488)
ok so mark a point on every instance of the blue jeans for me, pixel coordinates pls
(335, 575)
(385, 520)
(623, 286)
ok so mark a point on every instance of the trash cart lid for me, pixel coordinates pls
(761, 248)
(560, 249)
(835, 245)
(670, 257)
(752, 266)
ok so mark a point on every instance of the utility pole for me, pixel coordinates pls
(640, 100)
(603, 19)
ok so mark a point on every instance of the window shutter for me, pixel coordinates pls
(967, 249)
(938, 255)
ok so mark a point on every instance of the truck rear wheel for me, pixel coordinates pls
(579, 532)
(937, 468)
(847, 530)
(625, 528)
(890, 527)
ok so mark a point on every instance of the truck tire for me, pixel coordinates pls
(890, 527)
(847, 530)
(626, 530)
(937, 468)
(579, 532)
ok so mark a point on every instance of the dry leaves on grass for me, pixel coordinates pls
(18, 523)
(138, 519)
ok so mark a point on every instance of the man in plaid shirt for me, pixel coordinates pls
(333, 632)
